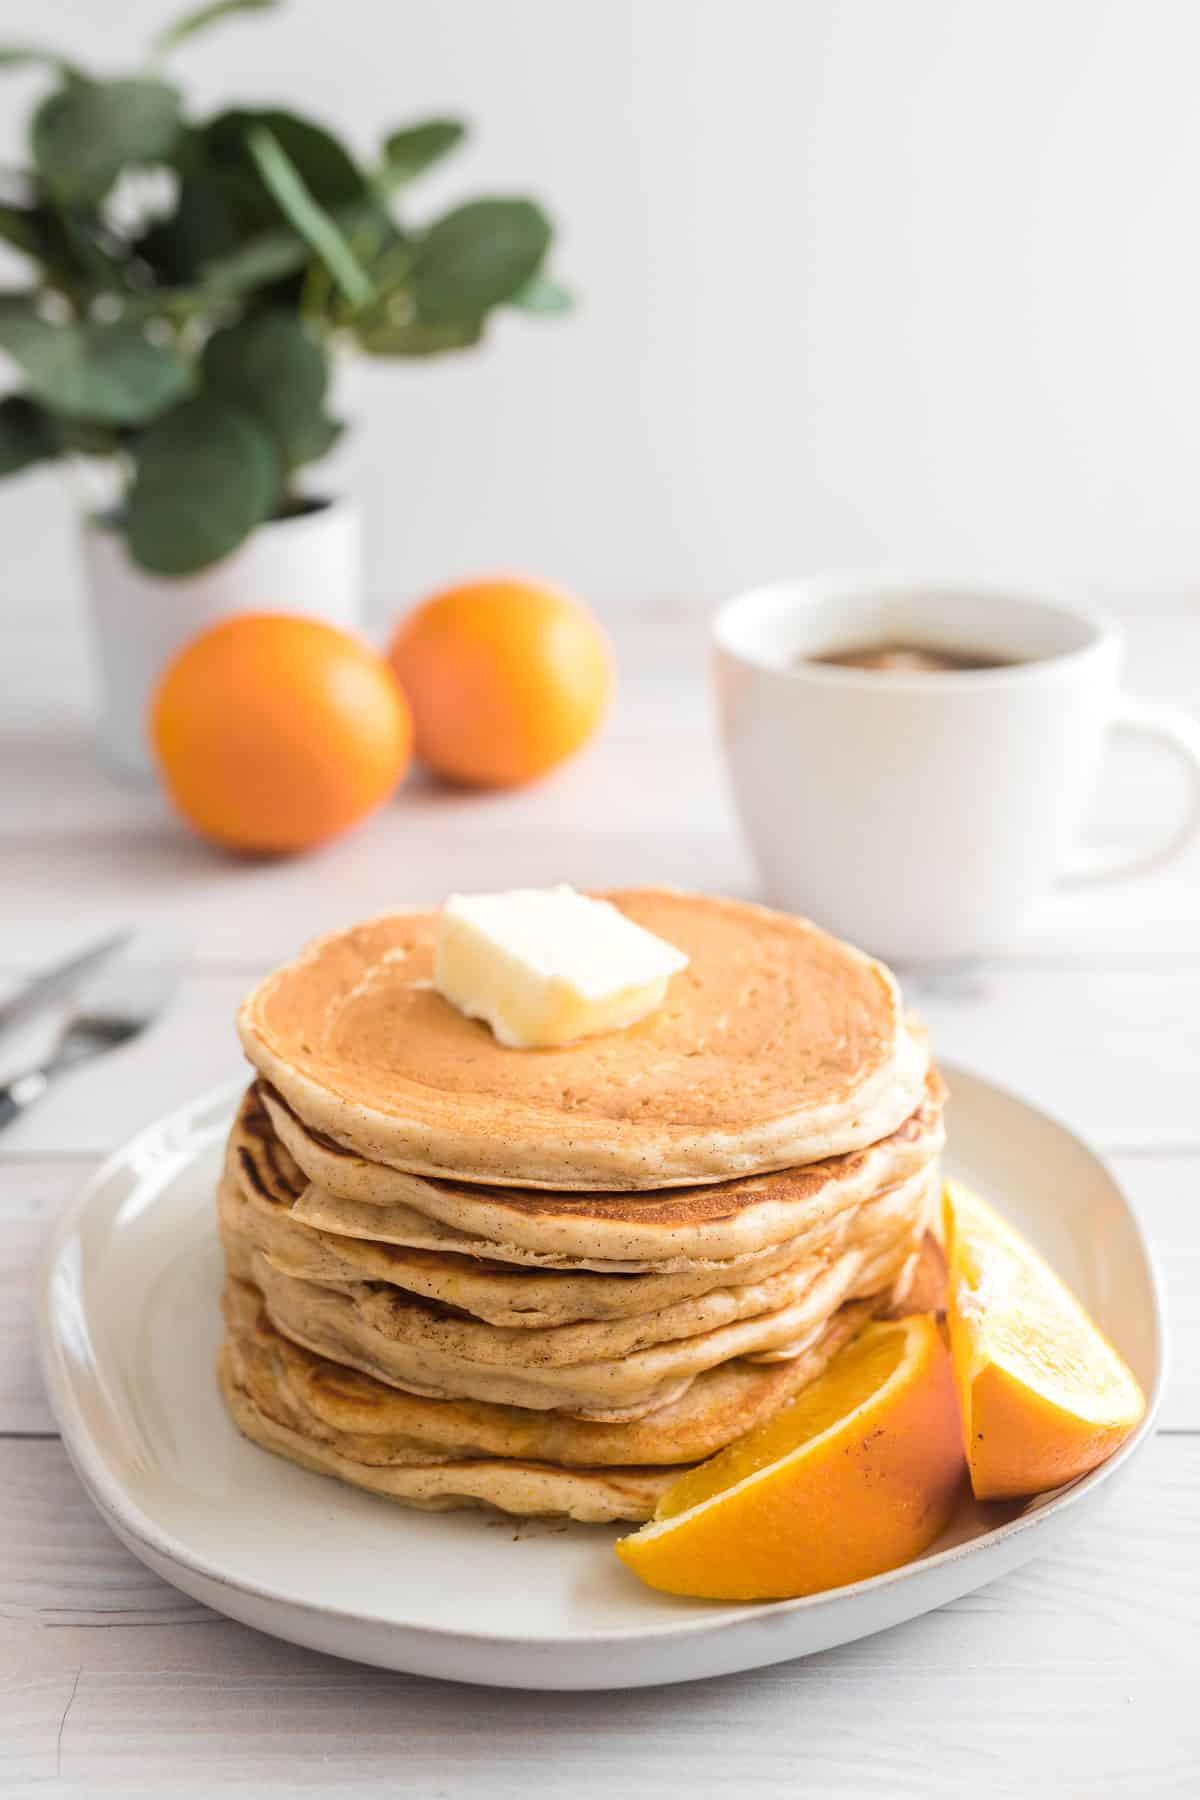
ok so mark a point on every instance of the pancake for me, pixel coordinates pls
(920, 1274)
(407, 1317)
(377, 1423)
(591, 1496)
(668, 1229)
(514, 1295)
(262, 1183)
(776, 1047)
(442, 1453)
(410, 1344)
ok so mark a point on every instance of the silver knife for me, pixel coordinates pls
(54, 984)
(116, 1006)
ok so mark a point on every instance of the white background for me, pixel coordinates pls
(863, 283)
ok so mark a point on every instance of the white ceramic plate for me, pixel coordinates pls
(129, 1332)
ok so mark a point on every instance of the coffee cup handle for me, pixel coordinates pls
(1174, 731)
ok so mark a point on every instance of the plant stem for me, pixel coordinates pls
(314, 292)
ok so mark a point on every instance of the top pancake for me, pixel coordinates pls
(776, 1046)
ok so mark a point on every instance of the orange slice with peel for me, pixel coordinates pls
(1044, 1395)
(857, 1474)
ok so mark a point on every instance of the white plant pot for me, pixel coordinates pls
(308, 564)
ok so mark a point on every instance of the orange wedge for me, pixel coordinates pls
(1044, 1395)
(858, 1473)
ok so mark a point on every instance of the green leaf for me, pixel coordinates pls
(207, 474)
(29, 434)
(26, 434)
(308, 217)
(203, 17)
(259, 262)
(125, 379)
(89, 249)
(327, 170)
(224, 202)
(19, 226)
(70, 246)
(86, 133)
(544, 296)
(204, 226)
(84, 437)
(316, 439)
(109, 373)
(408, 153)
(478, 256)
(24, 56)
(270, 366)
(380, 335)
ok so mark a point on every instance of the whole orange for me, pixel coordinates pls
(274, 732)
(505, 677)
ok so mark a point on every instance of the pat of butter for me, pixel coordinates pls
(545, 966)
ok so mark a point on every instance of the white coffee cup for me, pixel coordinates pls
(923, 814)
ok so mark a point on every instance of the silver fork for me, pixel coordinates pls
(115, 1007)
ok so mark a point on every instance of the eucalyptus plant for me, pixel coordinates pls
(192, 279)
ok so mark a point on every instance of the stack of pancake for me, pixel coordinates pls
(549, 1280)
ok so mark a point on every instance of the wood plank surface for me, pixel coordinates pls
(1070, 1677)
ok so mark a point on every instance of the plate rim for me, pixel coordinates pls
(114, 1502)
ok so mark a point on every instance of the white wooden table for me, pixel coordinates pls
(1079, 1676)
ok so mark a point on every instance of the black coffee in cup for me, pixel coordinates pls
(907, 659)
